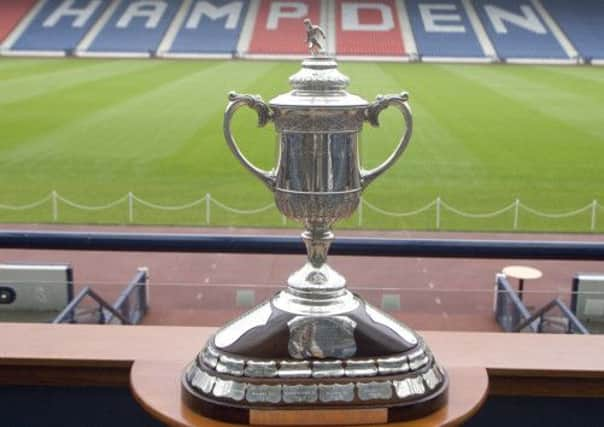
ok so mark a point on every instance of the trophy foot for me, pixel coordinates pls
(295, 356)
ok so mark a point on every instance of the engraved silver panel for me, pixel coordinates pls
(374, 390)
(441, 370)
(294, 369)
(300, 393)
(409, 387)
(432, 378)
(260, 369)
(383, 319)
(203, 381)
(191, 371)
(263, 393)
(209, 357)
(250, 320)
(360, 368)
(392, 365)
(418, 363)
(300, 121)
(416, 354)
(229, 389)
(336, 392)
(321, 337)
(417, 385)
(230, 366)
(331, 368)
(212, 351)
(402, 388)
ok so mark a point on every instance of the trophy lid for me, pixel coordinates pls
(318, 84)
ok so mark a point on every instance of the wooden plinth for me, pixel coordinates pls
(156, 386)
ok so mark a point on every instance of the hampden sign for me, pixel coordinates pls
(441, 17)
(461, 28)
(379, 16)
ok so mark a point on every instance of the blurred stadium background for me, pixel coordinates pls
(496, 146)
(111, 113)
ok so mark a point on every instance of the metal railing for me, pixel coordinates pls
(132, 303)
(513, 316)
(572, 325)
(129, 308)
(358, 246)
(510, 311)
(70, 312)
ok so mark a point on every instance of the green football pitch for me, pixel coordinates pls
(484, 136)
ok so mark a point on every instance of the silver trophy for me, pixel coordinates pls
(316, 344)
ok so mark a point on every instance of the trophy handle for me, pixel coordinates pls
(371, 115)
(264, 115)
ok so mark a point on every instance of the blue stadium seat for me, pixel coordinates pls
(60, 25)
(442, 29)
(582, 22)
(136, 26)
(211, 27)
(517, 30)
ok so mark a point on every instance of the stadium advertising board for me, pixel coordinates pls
(60, 25)
(211, 27)
(517, 30)
(368, 28)
(277, 29)
(136, 26)
(443, 29)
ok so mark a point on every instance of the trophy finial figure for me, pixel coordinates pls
(314, 38)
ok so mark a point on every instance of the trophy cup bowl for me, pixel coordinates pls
(315, 345)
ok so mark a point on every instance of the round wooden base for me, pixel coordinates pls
(157, 387)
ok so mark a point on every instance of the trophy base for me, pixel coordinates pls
(333, 415)
(296, 361)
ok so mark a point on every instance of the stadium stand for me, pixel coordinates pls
(210, 28)
(59, 26)
(11, 12)
(278, 29)
(517, 30)
(443, 30)
(368, 28)
(583, 24)
(447, 30)
(136, 27)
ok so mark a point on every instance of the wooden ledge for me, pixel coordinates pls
(84, 354)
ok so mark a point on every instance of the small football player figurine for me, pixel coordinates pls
(314, 38)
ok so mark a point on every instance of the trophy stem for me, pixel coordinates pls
(316, 287)
(317, 245)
